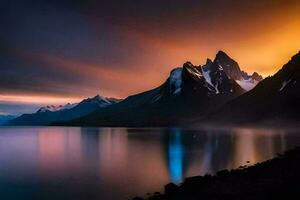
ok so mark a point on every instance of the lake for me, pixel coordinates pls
(119, 163)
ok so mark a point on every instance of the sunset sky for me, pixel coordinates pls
(59, 51)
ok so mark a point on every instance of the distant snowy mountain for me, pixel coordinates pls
(49, 114)
(98, 101)
(53, 108)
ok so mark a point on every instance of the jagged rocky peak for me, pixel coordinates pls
(207, 65)
(210, 77)
(220, 76)
(233, 71)
(208, 62)
(189, 68)
(181, 75)
(230, 66)
(256, 76)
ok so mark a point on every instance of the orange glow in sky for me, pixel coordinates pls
(37, 99)
(133, 54)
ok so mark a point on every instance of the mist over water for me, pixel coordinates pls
(119, 163)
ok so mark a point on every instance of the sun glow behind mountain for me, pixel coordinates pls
(71, 51)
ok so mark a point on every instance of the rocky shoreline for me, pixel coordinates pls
(277, 178)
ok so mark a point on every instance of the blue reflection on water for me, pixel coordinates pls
(176, 152)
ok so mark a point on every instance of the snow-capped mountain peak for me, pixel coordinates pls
(99, 100)
(233, 71)
(220, 76)
(53, 108)
(210, 77)
(230, 66)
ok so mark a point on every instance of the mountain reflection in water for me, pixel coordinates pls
(118, 163)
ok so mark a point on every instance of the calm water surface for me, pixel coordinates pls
(118, 163)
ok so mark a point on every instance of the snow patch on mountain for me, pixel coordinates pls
(247, 84)
(216, 88)
(206, 74)
(176, 80)
(53, 108)
(192, 70)
(283, 85)
(220, 67)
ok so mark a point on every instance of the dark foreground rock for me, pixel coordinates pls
(278, 178)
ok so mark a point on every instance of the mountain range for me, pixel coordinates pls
(49, 114)
(218, 91)
(189, 92)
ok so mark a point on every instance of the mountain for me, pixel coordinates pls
(49, 114)
(233, 71)
(5, 118)
(274, 99)
(190, 92)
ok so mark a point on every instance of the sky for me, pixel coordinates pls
(59, 51)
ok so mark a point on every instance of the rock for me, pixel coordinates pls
(171, 189)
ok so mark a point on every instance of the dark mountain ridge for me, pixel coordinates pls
(49, 114)
(274, 99)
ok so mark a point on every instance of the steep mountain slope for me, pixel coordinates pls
(189, 92)
(50, 114)
(275, 98)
